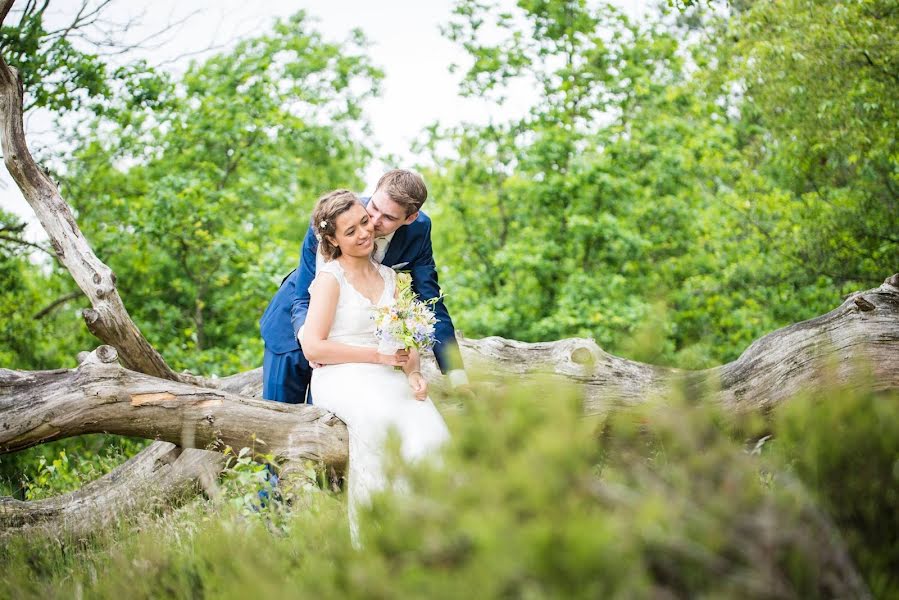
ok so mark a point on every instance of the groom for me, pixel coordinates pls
(403, 242)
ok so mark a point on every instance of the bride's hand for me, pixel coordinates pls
(397, 359)
(419, 385)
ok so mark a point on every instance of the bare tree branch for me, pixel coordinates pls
(58, 302)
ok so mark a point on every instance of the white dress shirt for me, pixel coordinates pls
(381, 245)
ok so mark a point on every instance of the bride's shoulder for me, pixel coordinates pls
(327, 276)
(333, 267)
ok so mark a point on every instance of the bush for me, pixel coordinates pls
(63, 466)
(844, 446)
(531, 499)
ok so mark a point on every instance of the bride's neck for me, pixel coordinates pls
(354, 264)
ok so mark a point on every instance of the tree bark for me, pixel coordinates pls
(161, 476)
(108, 319)
(857, 344)
(101, 396)
(860, 337)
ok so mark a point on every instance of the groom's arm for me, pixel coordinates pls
(305, 275)
(425, 285)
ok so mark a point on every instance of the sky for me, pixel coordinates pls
(418, 88)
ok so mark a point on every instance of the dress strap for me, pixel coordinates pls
(333, 267)
(389, 277)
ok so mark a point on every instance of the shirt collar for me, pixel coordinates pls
(387, 237)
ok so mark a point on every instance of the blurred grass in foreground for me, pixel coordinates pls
(673, 498)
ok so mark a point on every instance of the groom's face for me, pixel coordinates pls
(386, 215)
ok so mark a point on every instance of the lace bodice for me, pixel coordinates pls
(354, 318)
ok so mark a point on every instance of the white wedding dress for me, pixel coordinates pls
(371, 399)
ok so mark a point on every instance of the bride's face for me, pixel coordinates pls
(354, 233)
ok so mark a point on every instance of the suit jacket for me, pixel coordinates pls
(409, 250)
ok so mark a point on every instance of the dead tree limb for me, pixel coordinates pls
(857, 343)
(860, 337)
(107, 319)
(161, 476)
(100, 396)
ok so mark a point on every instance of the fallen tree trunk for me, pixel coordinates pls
(160, 476)
(861, 336)
(107, 319)
(101, 396)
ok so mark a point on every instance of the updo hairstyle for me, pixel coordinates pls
(324, 219)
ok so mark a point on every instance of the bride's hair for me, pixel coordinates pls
(324, 219)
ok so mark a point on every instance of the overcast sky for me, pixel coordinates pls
(406, 43)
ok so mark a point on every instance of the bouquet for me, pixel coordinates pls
(407, 323)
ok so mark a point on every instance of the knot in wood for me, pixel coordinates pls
(106, 354)
(102, 292)
(582, 356)
(863, 304)
(102, 355)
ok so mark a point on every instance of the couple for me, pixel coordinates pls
(322, 317)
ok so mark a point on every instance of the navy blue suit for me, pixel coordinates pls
(286, 372)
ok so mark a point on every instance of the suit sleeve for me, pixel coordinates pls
(305, 275)
(424, 283)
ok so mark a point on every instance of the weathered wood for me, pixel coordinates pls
(107, 319)
(101, 396)
(159, 477)
(850, 345)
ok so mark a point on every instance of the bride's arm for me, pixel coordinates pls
(417, 381)
(324, 293)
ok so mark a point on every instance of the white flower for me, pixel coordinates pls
(323, 224)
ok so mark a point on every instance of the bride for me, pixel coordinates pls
(357, 383)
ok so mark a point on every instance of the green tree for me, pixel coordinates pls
(821, 80)
(658, 190)
(200, 207)
(575, 220)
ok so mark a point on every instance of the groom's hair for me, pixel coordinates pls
(324, 219)
(406, 188)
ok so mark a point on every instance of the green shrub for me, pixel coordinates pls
(844, 445)
(673, 498)
(63, 466)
